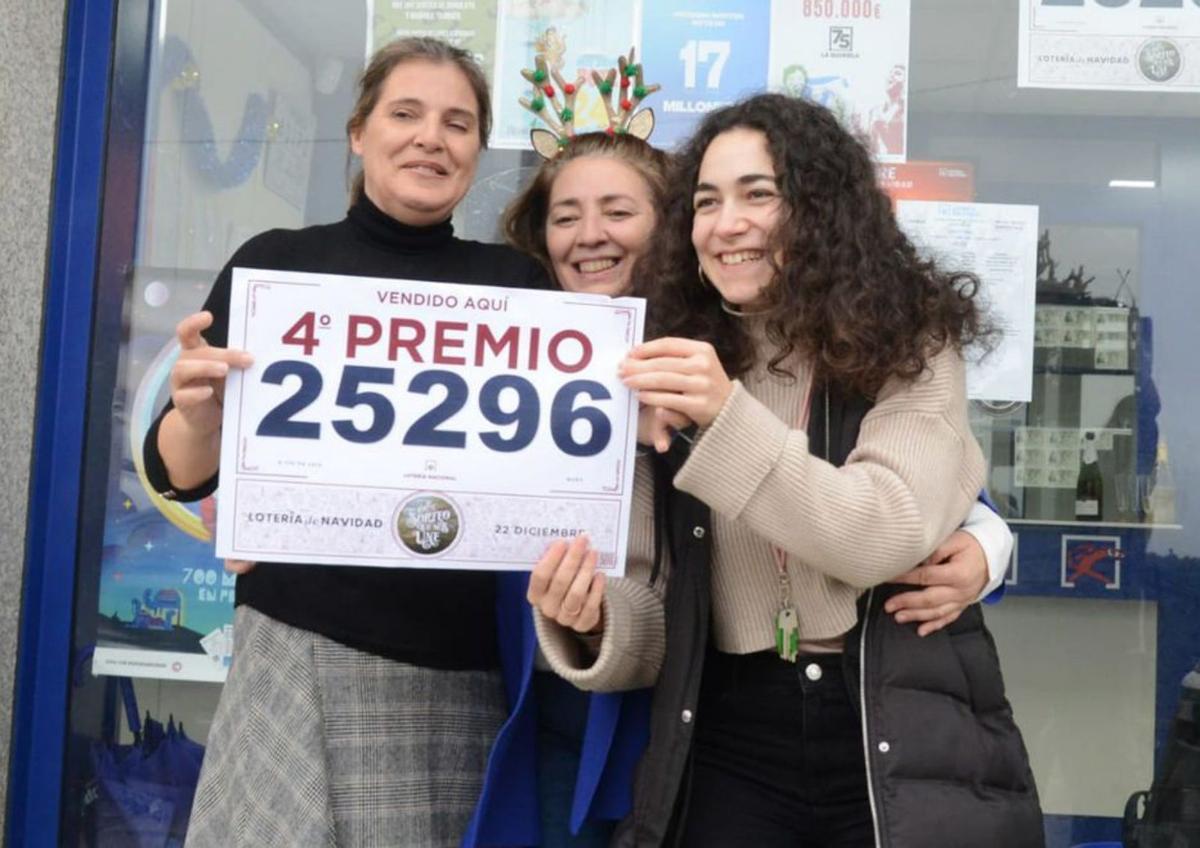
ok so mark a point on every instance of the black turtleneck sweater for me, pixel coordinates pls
(440, 619)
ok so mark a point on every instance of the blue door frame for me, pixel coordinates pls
(43, 660)
(41, 697)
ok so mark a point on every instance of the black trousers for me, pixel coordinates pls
(777, 756)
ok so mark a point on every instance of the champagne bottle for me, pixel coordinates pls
(1089, 486)
(1161, 507)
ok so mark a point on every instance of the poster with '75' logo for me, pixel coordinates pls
(852, 57)
(405, 423)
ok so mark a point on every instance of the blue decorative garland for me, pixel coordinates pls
(180, 72)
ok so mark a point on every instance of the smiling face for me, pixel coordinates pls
(737, 205)
(420, 144)
(601, 215)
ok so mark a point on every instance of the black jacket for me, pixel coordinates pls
(946, 763)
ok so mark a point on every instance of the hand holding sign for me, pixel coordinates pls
(239, 566)
(682, 376)
(565, 587)
(197, 379)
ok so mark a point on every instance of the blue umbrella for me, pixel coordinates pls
(143, 791)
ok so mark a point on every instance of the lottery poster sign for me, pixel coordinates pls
(706, 54)
(164, 602)
(469, 24)
(998, 243)
(404, 423)
(852, 57)
(1112, 45)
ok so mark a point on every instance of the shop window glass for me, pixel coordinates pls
(234, 114)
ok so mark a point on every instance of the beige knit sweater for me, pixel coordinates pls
(631, 650)
(909, 482)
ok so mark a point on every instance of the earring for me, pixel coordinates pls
(703, 279)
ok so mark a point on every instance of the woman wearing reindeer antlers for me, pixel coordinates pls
(561, 769)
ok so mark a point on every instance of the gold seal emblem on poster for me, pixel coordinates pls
(428, 524)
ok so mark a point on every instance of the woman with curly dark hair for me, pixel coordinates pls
(822, 361)
(852, 296)
(590, 215)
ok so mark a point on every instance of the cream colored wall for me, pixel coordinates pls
(1080, 676)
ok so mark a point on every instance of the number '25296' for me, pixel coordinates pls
(408, 336)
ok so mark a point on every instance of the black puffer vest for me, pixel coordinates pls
(946, 764)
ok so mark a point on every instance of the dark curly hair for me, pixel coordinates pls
(850, 294)
(525, 217)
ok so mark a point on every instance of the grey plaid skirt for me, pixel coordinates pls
(317, 744)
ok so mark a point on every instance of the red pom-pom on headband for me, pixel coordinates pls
(623, 116)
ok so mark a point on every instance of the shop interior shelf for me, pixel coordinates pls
(1066, 523)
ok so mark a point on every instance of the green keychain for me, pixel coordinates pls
(787, 622)
(787, 633)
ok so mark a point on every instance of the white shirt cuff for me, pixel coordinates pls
(993, 535)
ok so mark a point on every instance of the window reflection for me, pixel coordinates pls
(1099, 625)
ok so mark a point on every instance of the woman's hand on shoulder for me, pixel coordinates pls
(566, 588)
(197, 378)
(952, 578)
(681, 376)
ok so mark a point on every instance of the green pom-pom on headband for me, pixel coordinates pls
(559, 117)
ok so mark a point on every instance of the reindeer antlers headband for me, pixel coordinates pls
(559, 116)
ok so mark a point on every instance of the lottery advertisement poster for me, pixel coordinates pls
(998, 243)
(706, 54)
(400, 423)
(852, 57)
(469, 24)
(165, 606)
(914, 180)
(573, 37)
(1089, 44)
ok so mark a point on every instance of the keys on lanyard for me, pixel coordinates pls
(787, 622)
(787, 633)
